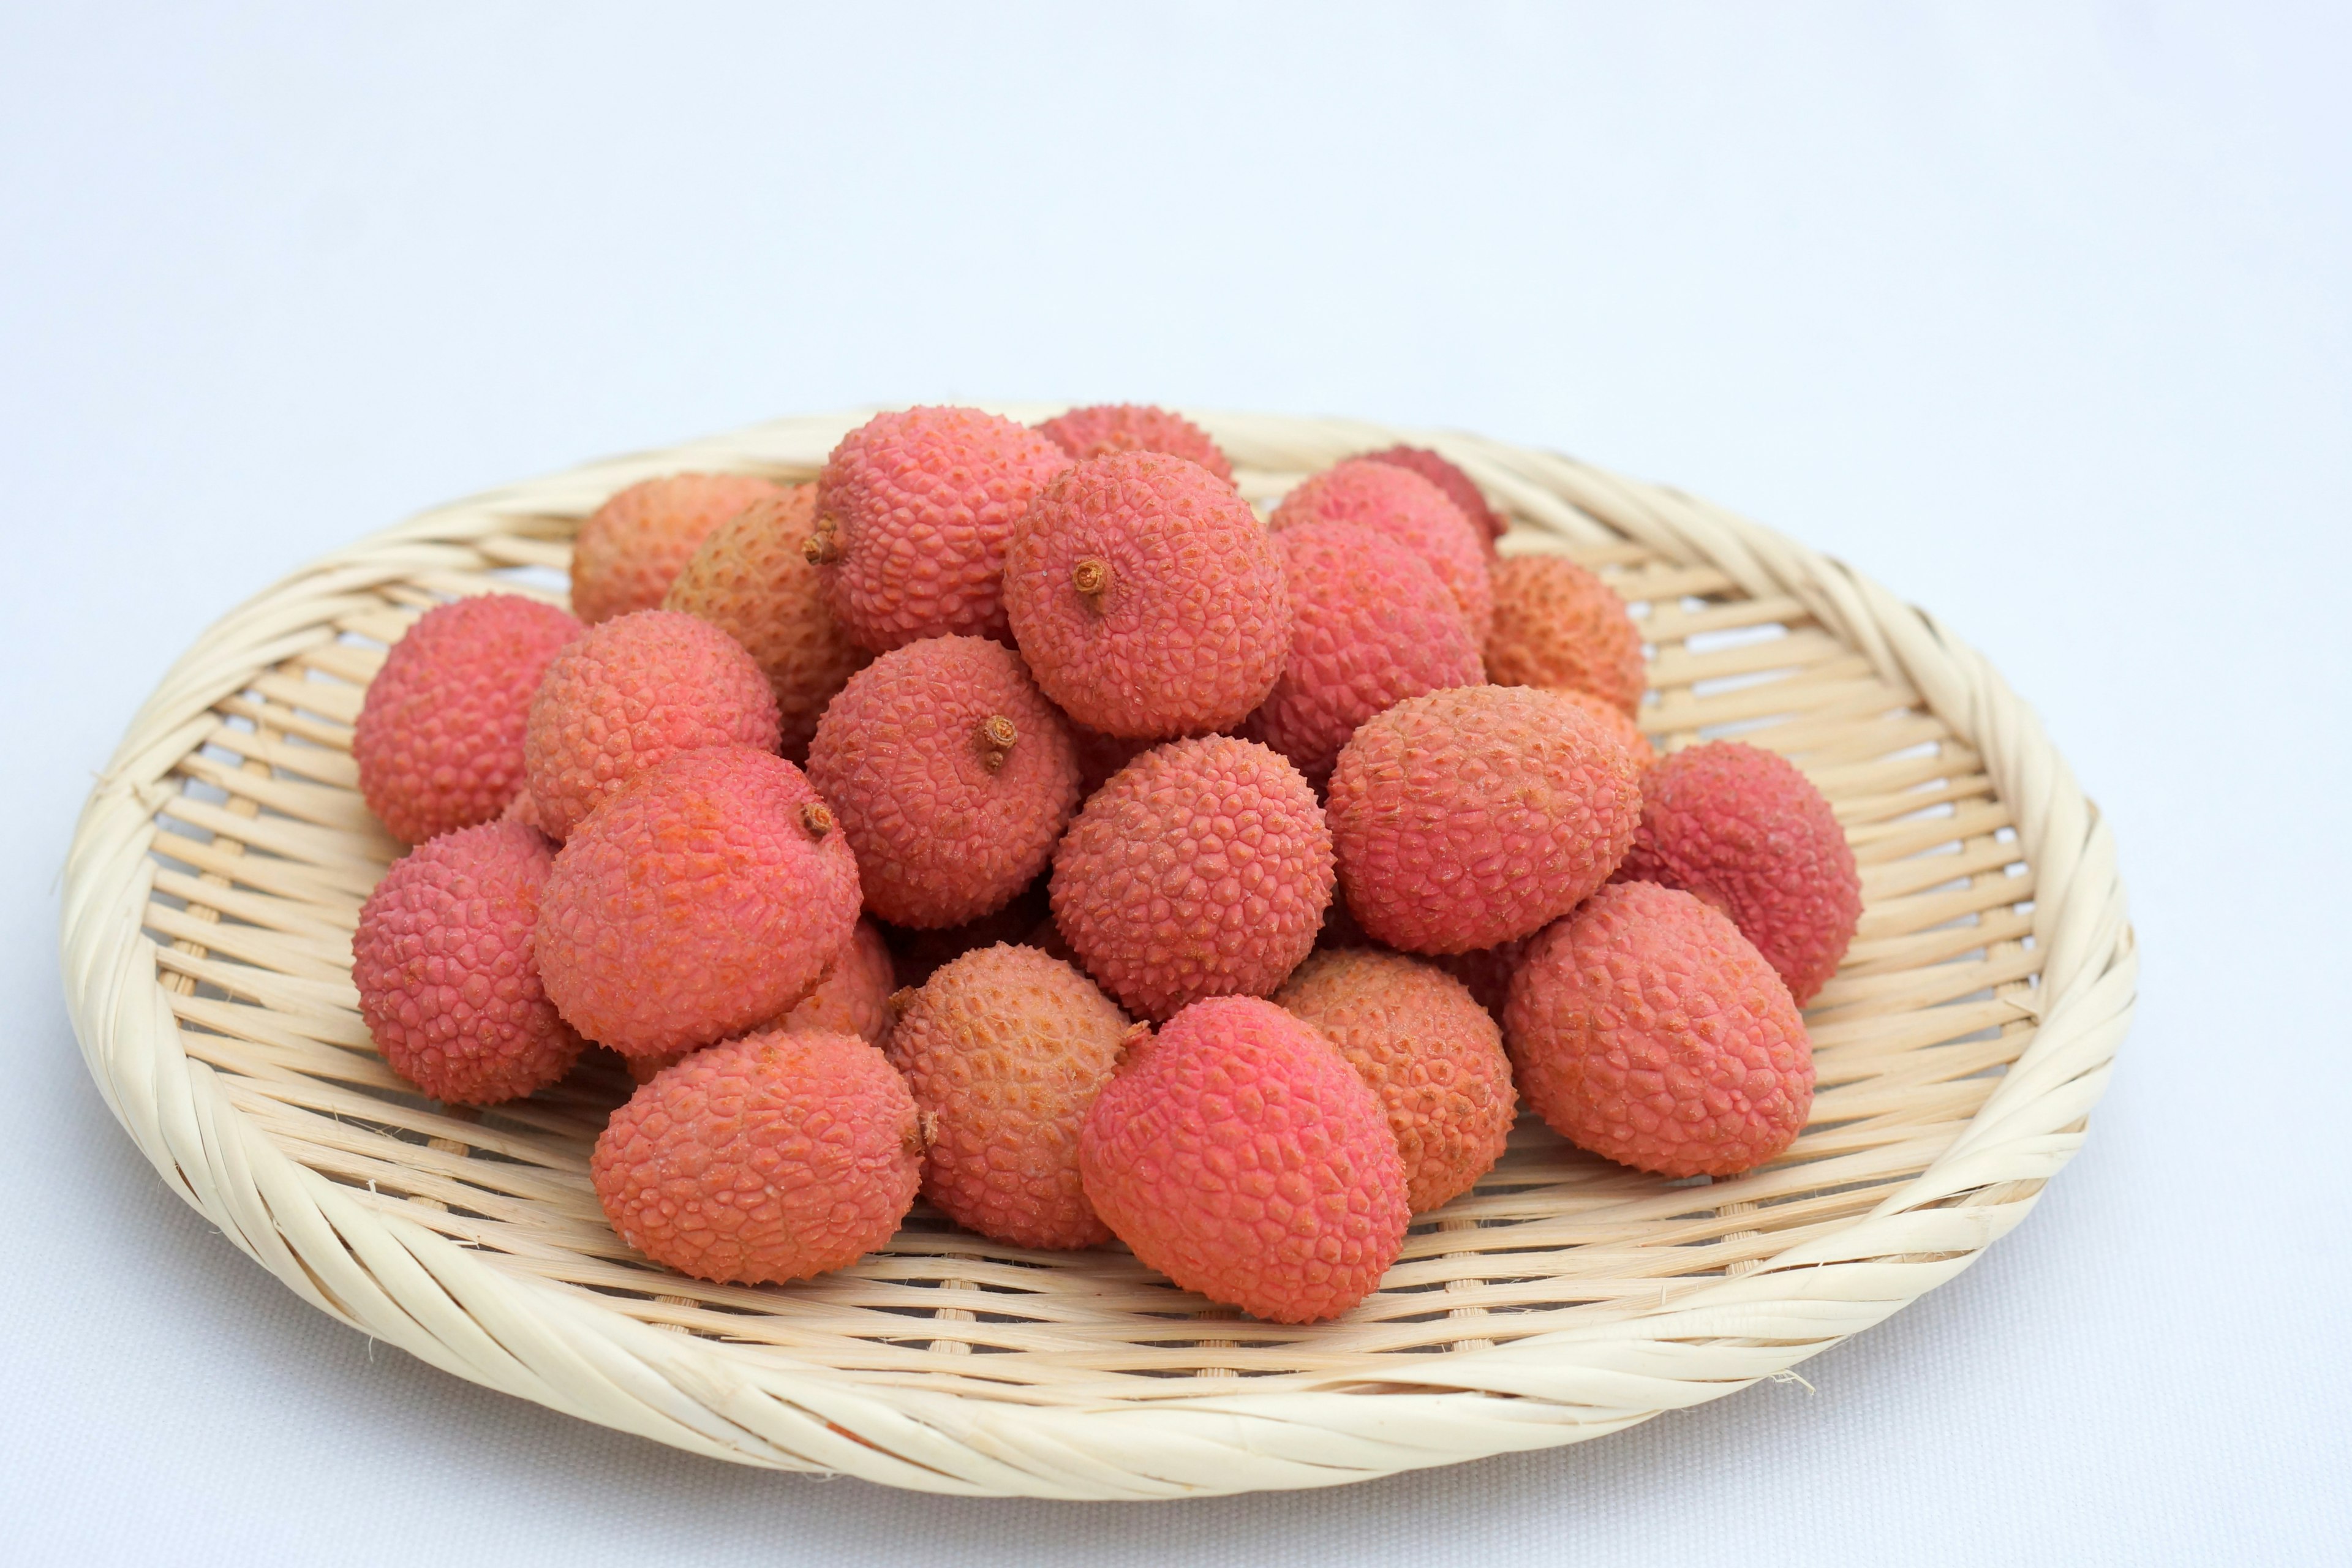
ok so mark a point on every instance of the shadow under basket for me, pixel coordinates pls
(218, 869)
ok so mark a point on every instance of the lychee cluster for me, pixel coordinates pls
(1016, 816)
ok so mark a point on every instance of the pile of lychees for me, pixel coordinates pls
(1244, 873)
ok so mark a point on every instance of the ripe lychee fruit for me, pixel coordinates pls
(1371, 626)
(1006, 1048)
(1613, 719)
(704, 898)
(1646, 1028)
(1406, 506)
(750, 579)
(1464, 818)
(1459, 488)
(918, 954)
(1239, 1154)
(633, 546)
(854, 999)
(1486, 970)
(1147, 597)
(913, 513)
(1427, 1048)
(1105, 427)
(952, 775)
(769, 1158)
(1201, 869)
(447, 977)
(439, 738)
(1746, 831)
(1556, 625)
(636, 690)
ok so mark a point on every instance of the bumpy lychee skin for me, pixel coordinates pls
(446, 970)
(752, 580)
(1147, 597)
(1486, 970)
(854, 999)
(1006, 1049)
(774, 1157)
(1202, 868)
(1459, 488)
(1105, 427)
(1239, 1155)
(918, 954)
(953, 777)
(1614, 720)
(439, 738)
(631, 547)
(1747, 832)
(1646, 1028)
(1371, 626)
(1406, 506)
(914, 511)
(1427, 1048)
(1468, 817)
(632, 692)
(1557, 625)
(705, 898)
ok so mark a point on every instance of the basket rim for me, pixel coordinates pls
(398, 1280)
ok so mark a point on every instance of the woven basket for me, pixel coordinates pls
(218, 868)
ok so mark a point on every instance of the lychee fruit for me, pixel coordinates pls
(1201, 869)
(706, 897)
(1101, 755)
(853, 997)
(445, 963)
(952, 775)
(1405, 507)
(440, 732)
(1459, 488)
(1646, 1028)
(1613, 719)
(750, 579)
(1006, 1048)
(1427, 1048)
(918, 954)
(1107, 428)
(1371, 626)
(773, 1157)
(913, 512)
(1556, 625)
(636, 690)
(1747, 832)
(1147, 597)
(1486, 970)
(633, 546)
(1239, 1154)
(1468, 817)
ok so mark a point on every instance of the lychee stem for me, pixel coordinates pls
(822, 548)
(998, 736)
(817, 817)
(1091, 577)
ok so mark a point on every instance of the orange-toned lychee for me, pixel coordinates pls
(633, 546)
(1557, 624)
(1105, 427)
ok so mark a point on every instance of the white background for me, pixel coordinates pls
(2038, 314)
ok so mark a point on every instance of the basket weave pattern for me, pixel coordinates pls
(219, 866)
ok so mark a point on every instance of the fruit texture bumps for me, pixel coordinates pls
(440, 733)
(1468, 817)
(631, 548)
(750, 580)
(1556, 624)
(446, 967)
(1202, 868)
(952, 775)
(1747, 832)
(769, 1158)
(1239, 1154)
(1147, 597)
(1107, 428)
(1646, 1028)
(1371, 626)
(1407, 508)
(1427, 1048)
(913, 512)
(633, 691)
(705, 898)
(1006, 1048)
(1459, 488)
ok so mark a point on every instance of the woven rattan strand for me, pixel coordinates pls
(218, 868)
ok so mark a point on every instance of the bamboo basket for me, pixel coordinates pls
(218, 867)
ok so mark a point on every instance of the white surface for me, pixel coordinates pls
(2037, 314)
